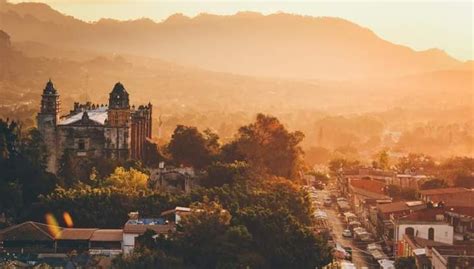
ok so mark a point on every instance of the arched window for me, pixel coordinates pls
(410, 231)
(430, 234)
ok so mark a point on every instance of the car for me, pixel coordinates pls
(327, 201)
(347, 233)
(341, 199)
(348, 253)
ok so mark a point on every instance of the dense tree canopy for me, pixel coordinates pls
(22, 168)
(190, 147)
(433, 184)
(268, 146)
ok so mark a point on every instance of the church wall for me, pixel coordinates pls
(82, 141)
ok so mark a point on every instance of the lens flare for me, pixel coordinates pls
(68, 219)
(53, 226)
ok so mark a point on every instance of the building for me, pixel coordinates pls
(38, 238)
(386, 212)
(35, 238)
(112, 131)
(429, 224)
(173, 179)
(407, 181)
(453, 257)
(449, 196)
(364, 194)
(419, 248)
(137, 226)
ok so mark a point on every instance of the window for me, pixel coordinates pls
(430, 234)
(81, 145)
(410, 231)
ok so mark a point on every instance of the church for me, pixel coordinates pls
(113, 131)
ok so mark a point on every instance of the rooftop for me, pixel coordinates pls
(75, 234)
(426, 215)
(444, 191)
(369, 185)
(98, 115)
(107, 235)
(29, 231)
(398, 206)
(418, 242)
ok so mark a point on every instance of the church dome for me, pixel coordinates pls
(118, 98)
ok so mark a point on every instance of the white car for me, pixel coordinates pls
(347, 233)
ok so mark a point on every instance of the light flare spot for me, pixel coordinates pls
(68, 219)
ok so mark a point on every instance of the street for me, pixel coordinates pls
(360, 258)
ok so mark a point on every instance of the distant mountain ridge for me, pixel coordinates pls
(249, 43)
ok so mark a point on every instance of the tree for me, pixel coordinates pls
(382, 160)
(221, 245)
(405, 263)
(153, 154)
(145, 259)
(220, 173)
(67, 166)
(266, 145)
(465, 181)
(337, 164)
(128, 180)
(415, 162)
(398, 193)
(147, 240)
(433, 184)
(190, 147)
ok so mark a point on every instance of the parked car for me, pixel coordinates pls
(347, 233)
(327, 201)
(348, 253)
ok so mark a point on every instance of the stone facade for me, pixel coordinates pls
(113, 131)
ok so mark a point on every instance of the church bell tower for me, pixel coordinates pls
(48, 117)
(47, 120)
(117, 129)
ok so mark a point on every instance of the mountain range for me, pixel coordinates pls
(277, 45)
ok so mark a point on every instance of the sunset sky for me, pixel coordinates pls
(421, 25)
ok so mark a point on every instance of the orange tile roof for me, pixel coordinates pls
(76, 234)
(29, 230)
(369, 185)
(393, 207)
(107, 235)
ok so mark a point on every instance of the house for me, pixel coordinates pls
(136, 226)
(106, 242)
(33, 237)
(29, 237)
(388, 211)
(420, 248)
(173, 179)
(363, 193)
(453, 257)
(429, 224)
(175, 214)
(449, 196)
(407, 181)
(345, 177)
(462, 219)
(69, 239)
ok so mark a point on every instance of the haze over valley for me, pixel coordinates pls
(351, 92)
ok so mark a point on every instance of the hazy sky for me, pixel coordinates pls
(447, 25)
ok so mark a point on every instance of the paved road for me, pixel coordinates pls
(359, 258)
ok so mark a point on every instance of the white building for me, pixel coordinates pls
(429, 224)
